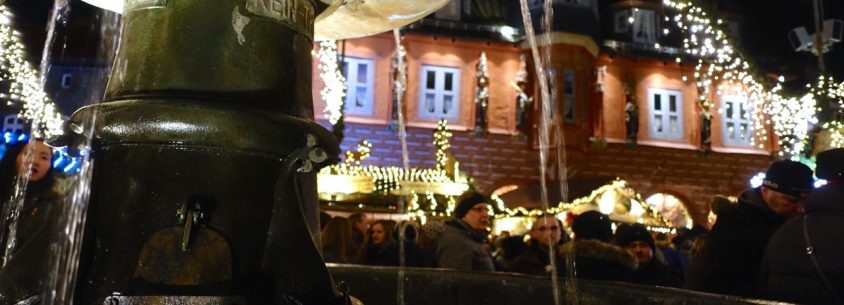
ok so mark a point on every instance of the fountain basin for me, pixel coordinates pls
(378, 286)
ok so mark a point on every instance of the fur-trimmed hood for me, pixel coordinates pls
(600, 251)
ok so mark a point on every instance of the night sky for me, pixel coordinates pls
(765, 29)
(764, 34)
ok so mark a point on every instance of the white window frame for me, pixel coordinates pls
(659, 120)
(439, 94)
(13, 123)
(351, 105)
(450, 11)
(569, 96)
(622, 26)
(646, 20)
(742, 125)
(67, 80)
(467, 7)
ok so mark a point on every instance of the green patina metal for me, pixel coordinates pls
(209, 102)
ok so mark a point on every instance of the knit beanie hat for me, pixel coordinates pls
(592, 225)
(432, 229)
(468, 203)
(628, 233)
(790, 178)
(830, 164)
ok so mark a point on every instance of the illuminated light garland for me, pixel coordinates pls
(389, 179)
(726, 64)
(791, 118)
(837, 133)
(362, 153)
(719, 61)
(593, 198)
(334, 91)
(441, 142)
(439, 185)
(826, 88)
(25, 84)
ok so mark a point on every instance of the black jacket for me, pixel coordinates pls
(37, 228)
(656, 273)
(595, 260)
(535, 261)
(787, 271)
(730, 260)
(383, 255)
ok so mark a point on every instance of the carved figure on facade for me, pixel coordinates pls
(631, 116)
(481, 97)
(705, 127)
(523, 100)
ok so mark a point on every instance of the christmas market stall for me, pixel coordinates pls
(615, 198)
(414, 192)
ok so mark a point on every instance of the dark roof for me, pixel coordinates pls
(528, 194)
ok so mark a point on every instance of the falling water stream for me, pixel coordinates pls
(65, 250)
(400, 83)
(58, 16)
(542, 62)
(73, 188)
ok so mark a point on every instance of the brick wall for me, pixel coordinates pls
(686, 174)
(500, 159)
(496, 157)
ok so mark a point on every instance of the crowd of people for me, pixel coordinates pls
(778, 242)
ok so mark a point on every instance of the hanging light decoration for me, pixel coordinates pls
(334, 91)
(719, 59)
(26, 86)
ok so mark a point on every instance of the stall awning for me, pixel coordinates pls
(527, 194)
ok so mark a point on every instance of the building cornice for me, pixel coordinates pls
(580, 40)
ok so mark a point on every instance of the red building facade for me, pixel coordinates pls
(593, 80)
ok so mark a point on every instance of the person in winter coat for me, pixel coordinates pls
(788, 273)
(379, 247)
(650, 270)
(360, 228)
(430, 233)
(337, 243)
(413, 253)
(546, 232)
(596, 258)
(461, 245)
(22, 275)
(730, 259)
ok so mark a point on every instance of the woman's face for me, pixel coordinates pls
(38, 156)
(377, 236)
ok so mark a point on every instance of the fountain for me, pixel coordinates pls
(205, 157)
(203, 183)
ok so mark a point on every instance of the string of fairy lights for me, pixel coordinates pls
(442, 143)
(387, 178)
(718, 60)
(638, 206)
(25, 83)
(334, 91)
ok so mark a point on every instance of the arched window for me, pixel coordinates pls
(672, 208)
